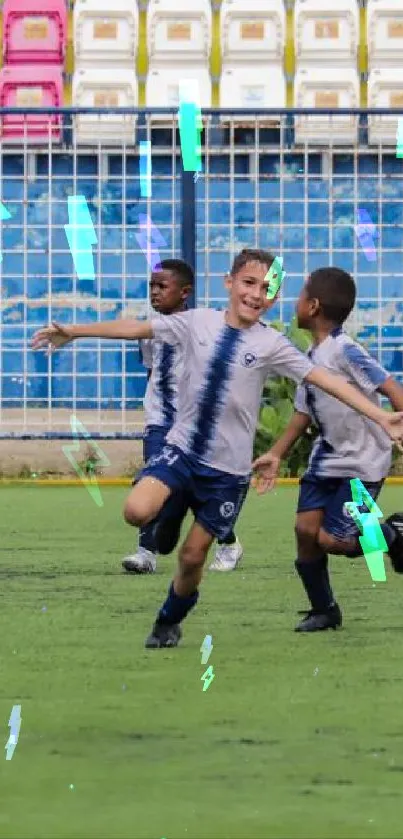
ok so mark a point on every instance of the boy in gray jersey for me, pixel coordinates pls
(171, 283)
(348, 446)
(209, 448)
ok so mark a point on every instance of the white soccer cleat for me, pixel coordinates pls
(227, 557)
(142, 562)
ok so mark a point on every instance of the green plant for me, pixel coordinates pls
(89, 464)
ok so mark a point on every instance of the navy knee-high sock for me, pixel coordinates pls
(175, 607)
(315, 579)
(229, 540)
(389, 536)
(147, 538)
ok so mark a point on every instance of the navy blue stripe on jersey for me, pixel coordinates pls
(322, 450)
(165, 384)
(324, 447)
(212, 396)
(363, 362)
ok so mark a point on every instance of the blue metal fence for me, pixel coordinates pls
(256, 189)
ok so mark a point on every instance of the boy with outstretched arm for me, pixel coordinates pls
(209, 448)
(172, 280)
(348, 446)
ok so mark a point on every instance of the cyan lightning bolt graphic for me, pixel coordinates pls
(208, 677)
(206, 649)
(372, 539)
(399, 138)
(145, 169)
(15, 725)
(366, 233)
(275, 277)
(190, 126)
(150, 235)
(4, 216)
(81, 236)
(91, 483)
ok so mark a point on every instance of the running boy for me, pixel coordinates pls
(348, 446)
(209, 448)
(170, 286)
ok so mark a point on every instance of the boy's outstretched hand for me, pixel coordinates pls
(52, 336)
(393, 425)
(266, 468)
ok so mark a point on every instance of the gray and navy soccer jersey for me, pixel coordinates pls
(348, 445)
(221, 385)
(165, 362)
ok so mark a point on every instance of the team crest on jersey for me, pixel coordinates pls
(346, 512)
(249, 359)
(227, 509)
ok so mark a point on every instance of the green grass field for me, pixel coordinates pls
(269, 751)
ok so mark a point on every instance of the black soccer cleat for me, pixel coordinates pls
(163, 635)
(315, 621)
(167, 533)
(395, 551)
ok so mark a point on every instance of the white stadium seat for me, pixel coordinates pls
(103, 89)
(326, 88)
(179, 30)
(385, 90)
(252, 43)
(252, 87)
(105, 33)
(385, 33)
(163, 87)
(326, 32)
(179, 42)
(252, 31)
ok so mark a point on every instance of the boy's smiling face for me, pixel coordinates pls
(248, 294)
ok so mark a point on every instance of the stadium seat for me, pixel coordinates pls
(105, 33)
(326, 32)
(252, 41)
(179, 43)
(384, 34)
(252, 87)
(163, 83)
(31, 35)
(99, 89)
(385, 90)
(30, 86)
(326, 88)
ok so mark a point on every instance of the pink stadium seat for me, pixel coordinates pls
(31, 87)
(34, 31)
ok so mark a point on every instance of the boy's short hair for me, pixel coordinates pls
(251, 255)
(182, 271)
(335, 289)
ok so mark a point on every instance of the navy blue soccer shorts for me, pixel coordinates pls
(331, 495)
(215, 497)
(153, 441)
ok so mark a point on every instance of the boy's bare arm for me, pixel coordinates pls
(338, 386)
(267, 466)
(394, 393)
(299, 423)
(60, 334)
(125, 328)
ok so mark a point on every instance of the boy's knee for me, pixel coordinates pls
(191, 558)
(135, 513)
(305, 533)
